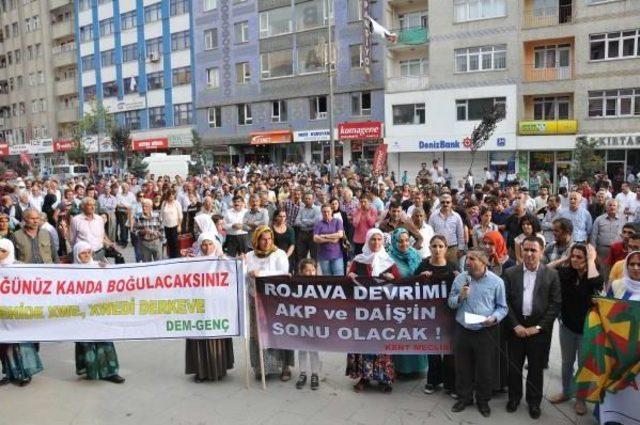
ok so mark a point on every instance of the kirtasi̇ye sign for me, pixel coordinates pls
(614, 141)
(547, 127)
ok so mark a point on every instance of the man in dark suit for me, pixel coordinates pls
(533, 296)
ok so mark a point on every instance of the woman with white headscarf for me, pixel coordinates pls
(19, 361)
(209, 359)
(95, 360)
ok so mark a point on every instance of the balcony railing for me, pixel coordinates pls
(67, 115)
(67, 47)
(542, 127)
(531, 73)
(548, 16)
(410, 83)
(412, 36)
(62, 29)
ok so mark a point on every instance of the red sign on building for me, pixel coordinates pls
(360, 130)
(380, 159)
(151, 144)
(63, 145)
(4, 149)
(271, 137)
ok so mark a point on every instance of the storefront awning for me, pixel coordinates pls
(271, 137)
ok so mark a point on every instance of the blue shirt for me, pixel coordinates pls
(582, 223)
(486, 298)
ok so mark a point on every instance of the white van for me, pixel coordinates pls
(70, 170)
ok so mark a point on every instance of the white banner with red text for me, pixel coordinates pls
(197, 297)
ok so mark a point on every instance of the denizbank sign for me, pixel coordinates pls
(458, 144)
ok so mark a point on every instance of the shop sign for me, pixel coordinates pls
(322, 135)
(360, 130)
(130, 104)
(547, 127)
(91, 145)
(4, 149)
(180, 140)
(32, 147)
(618, 141)
(366, 46)
(63, 145)
(150, 144)
(462, 144)
(270, 137)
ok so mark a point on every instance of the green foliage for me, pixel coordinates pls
(121, 141)
(137, 167)
(94, 122)
(79, 153)
(196, 166)
(586, 161)
(3, 167)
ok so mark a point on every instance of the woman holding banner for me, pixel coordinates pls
(96, 360)
(19, 361)
(266, 259)
(407, 259)
(209, 359)
(441, 367)
(373, 262)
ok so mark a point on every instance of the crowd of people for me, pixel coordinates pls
(521, 260)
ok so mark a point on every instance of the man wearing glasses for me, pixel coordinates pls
(448, 223)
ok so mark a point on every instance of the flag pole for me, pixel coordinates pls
(332, 141)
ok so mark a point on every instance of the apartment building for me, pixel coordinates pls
(136, 58)
(561, 69)
(38, 86)
(262, 81)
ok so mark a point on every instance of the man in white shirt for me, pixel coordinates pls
(124, 201)
(236, 242)
(89, 227)
(626, 202)
(36, 199)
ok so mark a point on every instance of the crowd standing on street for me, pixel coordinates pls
(523, 259)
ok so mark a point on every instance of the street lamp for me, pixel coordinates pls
(330, 65)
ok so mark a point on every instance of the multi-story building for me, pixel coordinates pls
(38, 90)
(263, 84)
(135, 58)
(561, 69)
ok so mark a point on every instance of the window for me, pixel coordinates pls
(615, 45)
(108, 57)
(414, 20)
(128, 20)
(210, 39)
(153, 13)
(106, 27)
(214, 116)
(311, 14)
(243, 73)
(355, 52)
(84, 4)
(16, 53)
(129, 52)
(551, 108)
(180, 41)
(244, 114)
(213, 78)
(552, 56)
(312, 59)
(34, 106)
(279, 111)
(484, 58)
(469, 10)
(110, 89)
(178, 7)
(181, 76)
(241, 31)
(155, 80)
(275, 22)
(130, 85)
(475, 109)
(361, 103)
(410, 114)
(154, 47)
(413, 67)
(132, 120)
(89, 93)
(276, 64)
(86, 33)
(183, 114)
(354, 10)
(318, 107)
(210, 5)
(156, 117)
(614, 103)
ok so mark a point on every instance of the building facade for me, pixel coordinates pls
(136, 59)
(263, 83)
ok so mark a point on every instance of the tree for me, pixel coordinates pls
(96, 121)
(121, 141)
(196, 167)
(138, 168)
(586, 162)
(79, 152)
(484, 130)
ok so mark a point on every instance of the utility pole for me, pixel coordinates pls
(332, 141)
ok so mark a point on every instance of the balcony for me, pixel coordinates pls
(548, 16)
(62, 29)
(66, 87)
(543, 128)
(404, 84)
(64, 58)
(531, 73)
(54, 4)
(409, 37)
(67, 115)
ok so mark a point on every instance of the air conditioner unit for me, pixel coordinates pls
(153, 57)
(322, 115)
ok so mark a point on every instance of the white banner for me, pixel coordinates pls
(187, 297)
